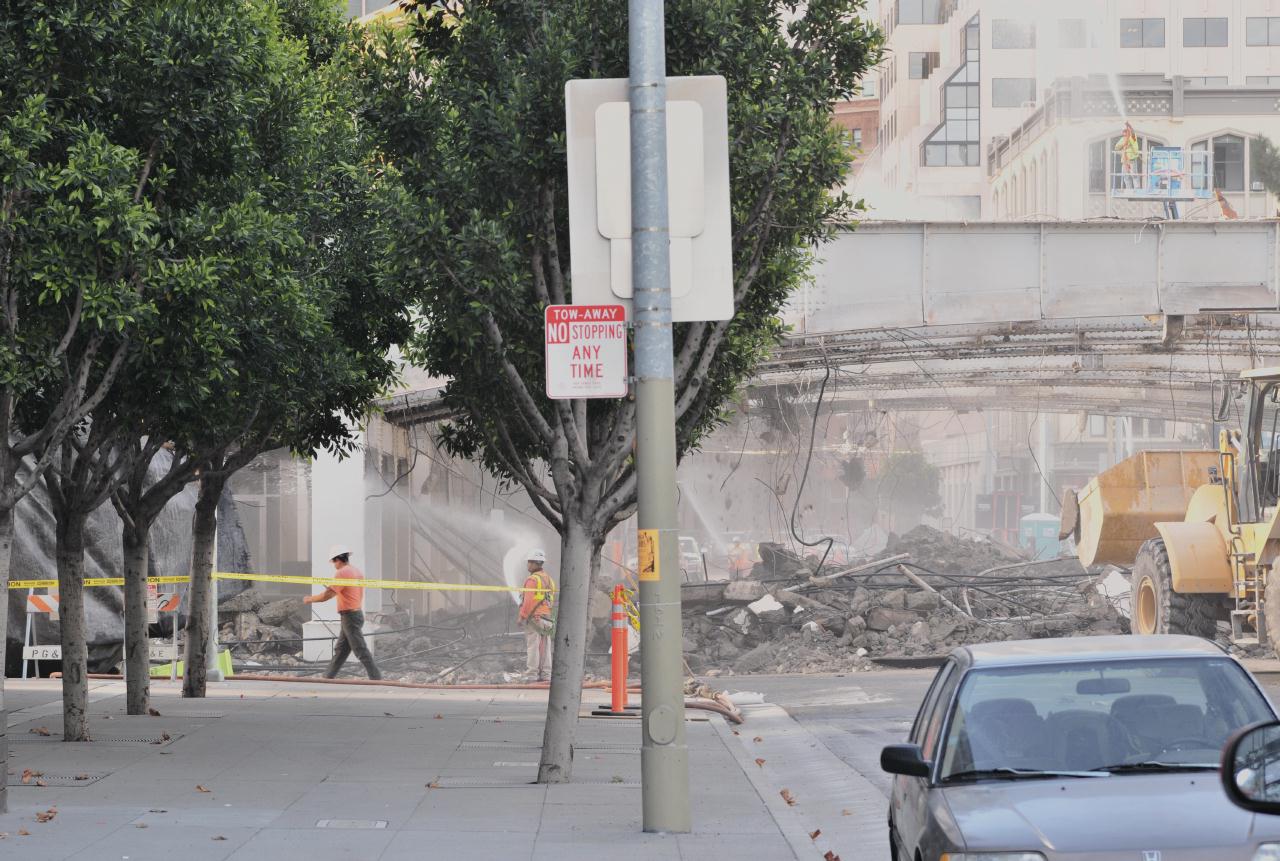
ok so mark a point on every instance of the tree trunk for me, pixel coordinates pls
(75, 649)
(6, 553)
(200, 610)
(577, 550)
(137, 647)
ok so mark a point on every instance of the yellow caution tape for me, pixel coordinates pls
(285, 578)
(367, 583)
(88, 581)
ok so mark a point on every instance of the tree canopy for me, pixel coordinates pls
(468, 101)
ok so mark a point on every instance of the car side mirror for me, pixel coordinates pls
(1250, 768)
(905, 759)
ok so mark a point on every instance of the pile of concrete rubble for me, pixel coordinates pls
(925, 593)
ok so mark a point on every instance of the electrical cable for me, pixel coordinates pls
(804, 478)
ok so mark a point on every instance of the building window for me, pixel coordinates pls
(857, 138)
(956, 141)
(1073, 33)
(1141, 32)
(920, 11)
(1008, 33)
(1262, 31)
(1204, 32)
(1213, 81)
(921, 64)
(1228, 162)
(1012, 92)
(1262, 81)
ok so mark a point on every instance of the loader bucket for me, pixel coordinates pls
(1120, 507)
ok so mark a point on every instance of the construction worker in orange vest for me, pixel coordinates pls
(537, 617)
(740, 558)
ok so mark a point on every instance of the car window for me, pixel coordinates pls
(929, 742)
(1083, 716)
(926, 706)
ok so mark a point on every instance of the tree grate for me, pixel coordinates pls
(51, 779)
(499, 783)
(157, 739)
(520, 745)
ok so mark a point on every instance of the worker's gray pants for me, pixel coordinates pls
(537, 646)
(351, 639)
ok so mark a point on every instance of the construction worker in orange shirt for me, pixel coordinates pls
(350, 611)
(537, 617)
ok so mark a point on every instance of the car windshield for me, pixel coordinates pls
(1116, 716)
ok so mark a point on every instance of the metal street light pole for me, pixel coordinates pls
(664, 758)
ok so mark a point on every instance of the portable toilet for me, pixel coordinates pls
(1039, 532)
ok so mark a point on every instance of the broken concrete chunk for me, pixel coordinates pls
(923, 601)
(884, 618)
(768, 609)
(895, 600)
(744, 590)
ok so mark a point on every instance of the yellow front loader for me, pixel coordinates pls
(1197, 530)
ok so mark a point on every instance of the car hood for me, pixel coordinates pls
(1125, 812)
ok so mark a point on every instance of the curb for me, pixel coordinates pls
(788, 819)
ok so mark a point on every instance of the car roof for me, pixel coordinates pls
(1066, 649)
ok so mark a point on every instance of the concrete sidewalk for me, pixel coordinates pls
(317, 772)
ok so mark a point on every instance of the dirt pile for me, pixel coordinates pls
(926, 593)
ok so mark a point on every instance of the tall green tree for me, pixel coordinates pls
(191, 248)
(469, 101)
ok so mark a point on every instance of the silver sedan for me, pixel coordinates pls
(1086, 748)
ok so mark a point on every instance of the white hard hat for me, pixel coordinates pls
(537, 556)
(339, 550)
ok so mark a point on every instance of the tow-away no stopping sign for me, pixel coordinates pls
(586, 351)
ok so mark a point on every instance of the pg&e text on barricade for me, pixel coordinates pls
(586, 351)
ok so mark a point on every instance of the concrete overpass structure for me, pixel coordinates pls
(1135, 318)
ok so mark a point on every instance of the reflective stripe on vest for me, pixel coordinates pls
(543, 595)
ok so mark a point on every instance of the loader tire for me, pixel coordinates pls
(1156, 609)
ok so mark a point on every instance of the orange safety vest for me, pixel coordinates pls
(542, 601)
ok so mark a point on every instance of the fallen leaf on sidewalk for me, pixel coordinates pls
(757, 739)
(846, 812)
(164, 736)
(153, 711)
(759, 762)
(39, 730)
(814, 835)
(22, 832)
(439, 717)
(82, 777)
(830, 856)
(41, 783)
(735, 732)
(200, 788)
(46, 815)
(157, 810)
(388, 714)
(433, 785)
(140, 825)
(28, 775)
(788, 797)
(219, 837)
